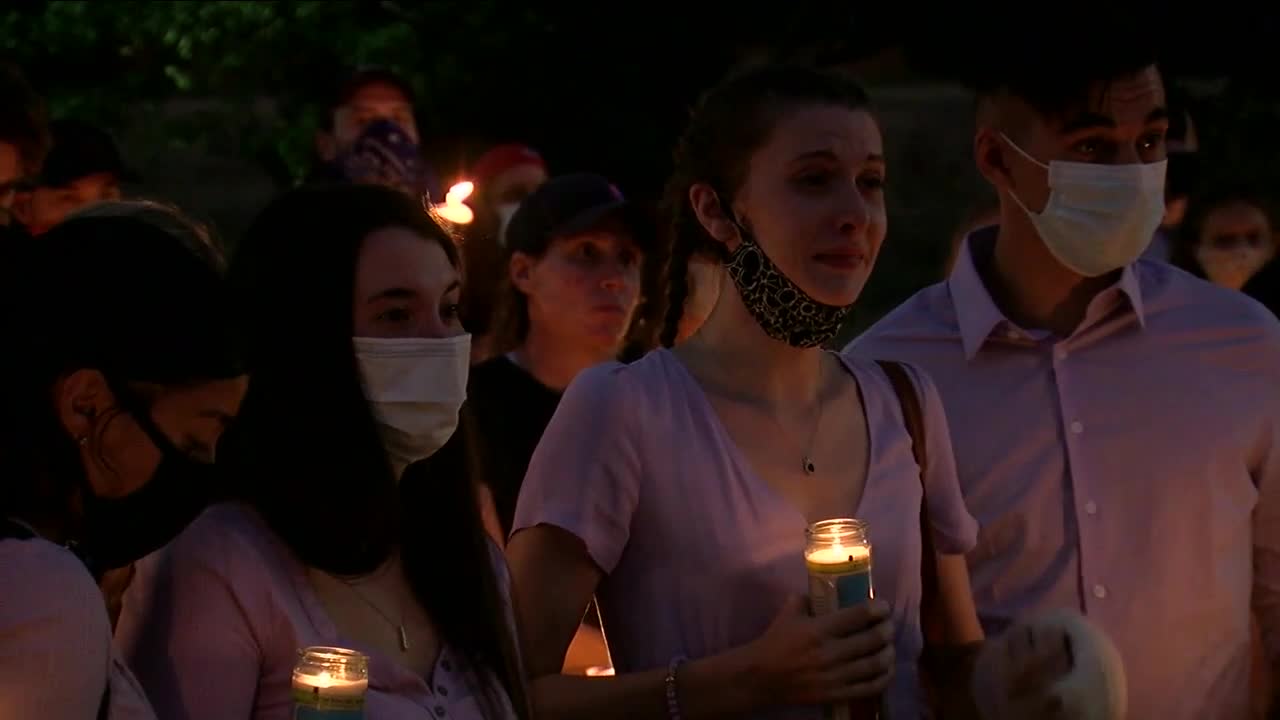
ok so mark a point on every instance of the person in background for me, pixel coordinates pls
(83, 167)
(678, 487)
(1116, 421)
(24, 137)
(1229, 236)
(575, 249)
(504, 176)
(331, 534)
(129, 373)
(370, 136)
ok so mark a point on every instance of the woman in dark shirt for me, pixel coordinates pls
(574, 257)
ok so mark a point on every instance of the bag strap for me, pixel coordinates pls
(913, 418)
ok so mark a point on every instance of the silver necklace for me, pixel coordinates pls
(399, 626)
(807, 462)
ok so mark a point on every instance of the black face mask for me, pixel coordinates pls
(780, 307)
(119, 531)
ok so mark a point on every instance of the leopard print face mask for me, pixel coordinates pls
(780, 307)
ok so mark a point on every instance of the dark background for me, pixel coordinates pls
(217, 102)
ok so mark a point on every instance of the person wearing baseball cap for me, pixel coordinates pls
(574, 254)
(83, 167)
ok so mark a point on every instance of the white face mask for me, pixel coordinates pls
(1098, 218)
(415, 386)
(505, 211)
(1231, 268)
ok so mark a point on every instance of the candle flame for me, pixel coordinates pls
(459, 192)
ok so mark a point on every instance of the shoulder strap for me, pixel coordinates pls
(913, 417)
(12, 530)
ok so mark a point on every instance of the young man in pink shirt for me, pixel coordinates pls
(1116, 422)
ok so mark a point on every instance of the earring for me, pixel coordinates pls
(83, 441)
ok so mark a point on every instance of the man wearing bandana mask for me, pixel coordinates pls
(1116, 422)
(371, 136)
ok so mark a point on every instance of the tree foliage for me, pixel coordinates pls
(266, 63)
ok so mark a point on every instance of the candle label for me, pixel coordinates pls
(828, 592)
(309, 705)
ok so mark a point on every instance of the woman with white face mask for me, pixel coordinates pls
(349, 297)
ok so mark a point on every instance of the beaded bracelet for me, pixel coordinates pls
(673, 703)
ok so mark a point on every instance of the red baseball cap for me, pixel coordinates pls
(501, 158)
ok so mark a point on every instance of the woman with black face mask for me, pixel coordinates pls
(120, 374)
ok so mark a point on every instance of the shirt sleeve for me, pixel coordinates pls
(955, 531)
(186, 633)
(55, 638)
(1265, 469)
(585, 474)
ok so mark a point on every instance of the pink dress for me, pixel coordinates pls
(698, 551)
(213, 624)
(55, 640)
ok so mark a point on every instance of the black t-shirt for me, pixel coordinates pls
(509, 409)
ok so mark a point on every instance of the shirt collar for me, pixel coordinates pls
(977, 314)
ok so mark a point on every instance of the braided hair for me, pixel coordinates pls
(728, 124)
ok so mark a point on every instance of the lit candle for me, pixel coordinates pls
(838, 557)
(330, 684)
(454, 208)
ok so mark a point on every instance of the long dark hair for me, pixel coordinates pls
(306, 452)
(727, 125)
(121, 290)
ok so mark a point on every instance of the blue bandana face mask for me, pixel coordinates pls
(385, 154)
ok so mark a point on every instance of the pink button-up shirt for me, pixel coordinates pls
(1129, 470)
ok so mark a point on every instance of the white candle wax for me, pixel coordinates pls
(838, 555)
(330, 686)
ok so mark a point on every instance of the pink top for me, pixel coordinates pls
(55, 640)
(1130, 470)
(213, 624)
(698, 551)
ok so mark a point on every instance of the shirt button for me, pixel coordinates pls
(444, 691)
(1077, 427)
(440, 710)
(1091, 507)
(1099, 591)
(446, 665)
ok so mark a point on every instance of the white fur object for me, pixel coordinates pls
(1093, 689)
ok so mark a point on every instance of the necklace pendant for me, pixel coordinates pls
(808, 466)
(404, 639)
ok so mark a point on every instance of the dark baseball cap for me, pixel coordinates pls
(80, 150)
(568, 205)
